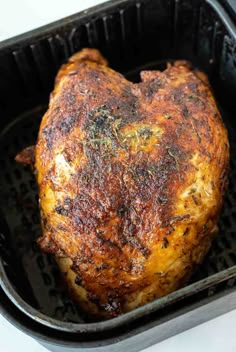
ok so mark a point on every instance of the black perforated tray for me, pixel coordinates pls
(133, 35)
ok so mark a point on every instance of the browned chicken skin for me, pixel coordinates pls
(131, 179)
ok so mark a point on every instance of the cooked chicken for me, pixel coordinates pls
(131, 179)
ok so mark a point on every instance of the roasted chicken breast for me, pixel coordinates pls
(131, 180)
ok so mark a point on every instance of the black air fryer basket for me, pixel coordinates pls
(133, 35)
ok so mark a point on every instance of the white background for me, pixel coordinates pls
(18, 16)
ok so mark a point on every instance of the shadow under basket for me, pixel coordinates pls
(132, 35)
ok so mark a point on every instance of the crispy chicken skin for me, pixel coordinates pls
(131, 180)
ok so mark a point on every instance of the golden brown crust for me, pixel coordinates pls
(131, 178)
